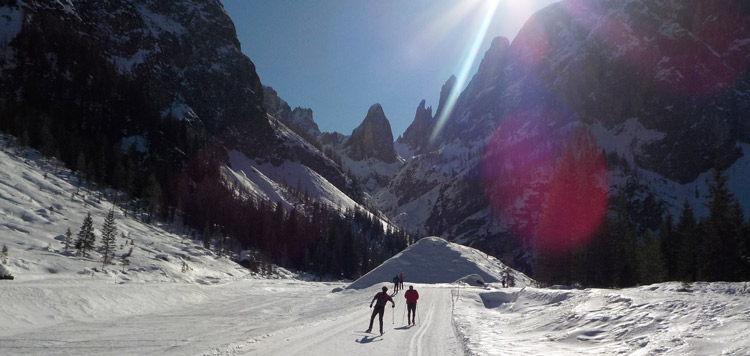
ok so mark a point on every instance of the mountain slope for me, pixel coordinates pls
(660, 88)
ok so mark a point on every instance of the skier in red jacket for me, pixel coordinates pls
(411, 296)
(382, 298)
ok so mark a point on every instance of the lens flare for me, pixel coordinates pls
(463, 74)
(548, 186)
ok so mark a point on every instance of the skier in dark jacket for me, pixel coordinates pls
(382, 299)
(411, 296)
(395, 283)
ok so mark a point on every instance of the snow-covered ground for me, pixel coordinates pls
(59, 304)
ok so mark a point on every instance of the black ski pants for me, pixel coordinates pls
(379, 309)
(411, 309)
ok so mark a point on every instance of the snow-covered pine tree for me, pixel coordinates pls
(86, 237)
(109, 238)
(68, 239)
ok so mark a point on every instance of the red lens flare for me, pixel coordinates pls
(549, 189)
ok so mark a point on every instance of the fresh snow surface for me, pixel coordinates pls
(64, 305)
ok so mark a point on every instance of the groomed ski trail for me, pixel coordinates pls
(344, 334)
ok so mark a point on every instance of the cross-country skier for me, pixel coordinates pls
(401, 281)
(395, 283)
(411, 296)
(382, 299)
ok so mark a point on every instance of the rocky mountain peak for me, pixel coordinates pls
(444, 92)
(417, 133)
(373, 138)
(302, 118)
(275, 105)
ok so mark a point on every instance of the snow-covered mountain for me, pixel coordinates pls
(651, 92)
(182, 60)
(661, 87)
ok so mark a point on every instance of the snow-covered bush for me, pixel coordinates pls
(4, 273)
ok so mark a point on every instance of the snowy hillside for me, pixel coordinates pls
(265, 181)
(38, 204)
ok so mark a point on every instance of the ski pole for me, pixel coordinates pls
(418, 318)
(393, 315)
(404, 316)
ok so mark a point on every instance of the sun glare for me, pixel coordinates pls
(491, 8)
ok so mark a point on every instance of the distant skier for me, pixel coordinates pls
(411, 296)
(401, 281)
(382, 299)
(396, 282)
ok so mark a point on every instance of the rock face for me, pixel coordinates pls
(300, 120)
(418, 132)
(181, 59)
(183, 56)
(373, 138)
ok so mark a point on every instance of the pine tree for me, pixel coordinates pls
(719, 256)
(109, 238)
(153, 196)
(68, 239)
(86, 237)
(650, 260)
(670, 246)
(688, 233)
(745, 251)
(206, 236)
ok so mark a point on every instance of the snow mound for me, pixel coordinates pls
(435, 260)
(472, 279)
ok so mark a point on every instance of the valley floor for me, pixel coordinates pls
(246, 317)
(290, 317)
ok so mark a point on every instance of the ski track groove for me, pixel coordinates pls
(416, 340)
(310, 337)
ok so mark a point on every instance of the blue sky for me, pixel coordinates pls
(340, 57)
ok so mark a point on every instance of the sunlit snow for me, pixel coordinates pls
(60, 304)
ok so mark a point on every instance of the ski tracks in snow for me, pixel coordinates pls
(340, 333)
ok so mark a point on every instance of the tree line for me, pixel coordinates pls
(640, 243)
